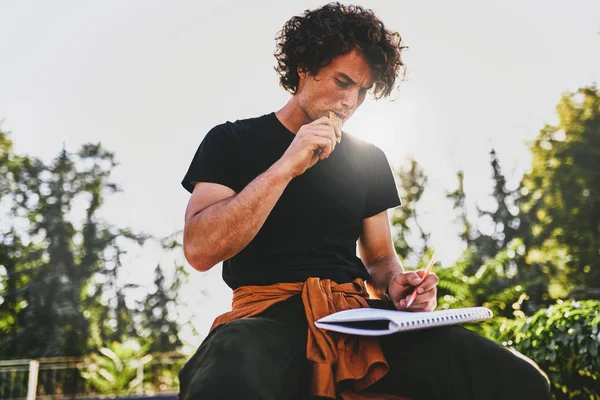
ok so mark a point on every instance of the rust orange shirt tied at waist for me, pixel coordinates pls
(333, 357)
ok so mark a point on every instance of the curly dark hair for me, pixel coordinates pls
(312, 40)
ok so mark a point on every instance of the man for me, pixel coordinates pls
(282, 200)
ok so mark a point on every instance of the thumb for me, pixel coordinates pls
(410, 278)
(421, 273)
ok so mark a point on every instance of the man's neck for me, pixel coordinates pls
(292, 116)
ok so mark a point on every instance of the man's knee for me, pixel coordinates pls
(221, 372)
(246, 359)
(228, 381)
(511, 367)
(531, 377)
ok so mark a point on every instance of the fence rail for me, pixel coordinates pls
(89, 377)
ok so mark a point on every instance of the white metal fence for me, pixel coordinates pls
(86, 378)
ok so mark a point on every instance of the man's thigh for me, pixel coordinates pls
(262, 357)
(456, 363)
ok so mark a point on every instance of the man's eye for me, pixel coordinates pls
(342, 84)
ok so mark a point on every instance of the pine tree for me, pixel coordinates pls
(560, 196)
(504, 219)
(158, 324)
(405, 221)
(459, 204)
(51, 264)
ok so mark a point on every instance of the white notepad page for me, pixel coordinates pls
(397, 321)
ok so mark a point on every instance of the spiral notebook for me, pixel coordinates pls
(377, 322)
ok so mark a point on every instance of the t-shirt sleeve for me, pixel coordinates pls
(383, 193)
(214, 161)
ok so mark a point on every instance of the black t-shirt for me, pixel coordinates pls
(313, 229)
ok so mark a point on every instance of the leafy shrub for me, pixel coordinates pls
(564, 340)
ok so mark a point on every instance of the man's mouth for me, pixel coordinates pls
(341, 116)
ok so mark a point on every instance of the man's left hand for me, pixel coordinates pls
(403, 284)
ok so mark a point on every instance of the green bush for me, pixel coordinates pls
(113, 370)
(564, 340)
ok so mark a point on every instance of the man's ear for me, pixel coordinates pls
(301, 73)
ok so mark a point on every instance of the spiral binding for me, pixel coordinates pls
(444, 320)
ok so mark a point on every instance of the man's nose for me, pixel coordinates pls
(351, 100)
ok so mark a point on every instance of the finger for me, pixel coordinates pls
(325, 145)
(409, 278)
(326, 132)
(402, 285)
(421, 273)
(431, 292)
(425, 296)
(416, 306)
(429, 283)
(333, 130)
(424, 306)
(428, 302)
(326, 121)
(337, 129)
(418, 297)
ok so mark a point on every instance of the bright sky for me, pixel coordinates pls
(149, 78)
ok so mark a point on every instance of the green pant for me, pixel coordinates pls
(264, 357)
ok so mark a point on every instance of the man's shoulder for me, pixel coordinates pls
(240, 127)
(355, 140)
(360, 145)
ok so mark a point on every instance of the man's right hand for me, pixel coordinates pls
(403, 284)
(313, 142)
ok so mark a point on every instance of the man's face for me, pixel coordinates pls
(340, 87)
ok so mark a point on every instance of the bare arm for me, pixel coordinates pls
(220, 223)
(223, 229)
(377, 252)
(385, 269)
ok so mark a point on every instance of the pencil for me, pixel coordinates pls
(413, 295)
